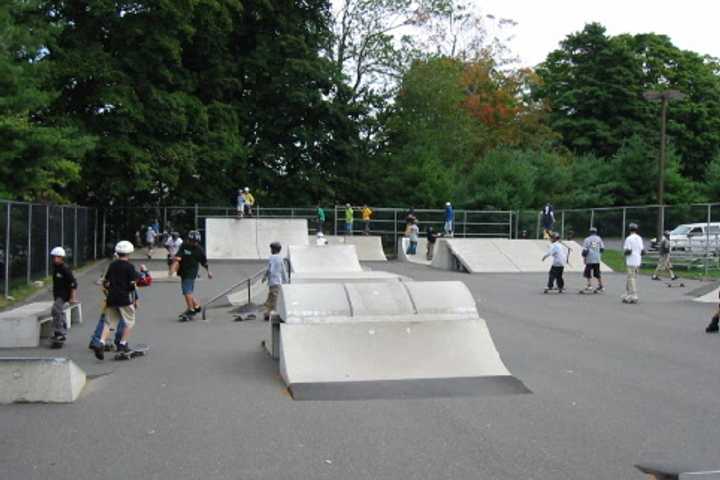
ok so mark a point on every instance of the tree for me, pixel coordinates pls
(38, 158)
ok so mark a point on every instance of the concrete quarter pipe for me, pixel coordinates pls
(249, 238)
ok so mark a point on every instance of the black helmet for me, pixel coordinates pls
(194, 235)
(275, 247)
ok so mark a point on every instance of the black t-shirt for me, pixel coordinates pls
(191, 257)
(63, 282)
(120, 283)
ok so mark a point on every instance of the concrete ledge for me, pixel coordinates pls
(40, 380)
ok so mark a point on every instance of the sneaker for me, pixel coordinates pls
(600, 289)
(99, 349)
(655, 277)
(712, 328)
(197, 310)
(561, 290)
(123, 348)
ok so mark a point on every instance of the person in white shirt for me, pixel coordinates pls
(320, 239)
(150, 236)
(172, 245)
(559, 259)
(634, 249)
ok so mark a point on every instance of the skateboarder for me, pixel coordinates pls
(172, 245)
(431, 239)
(121, 300)
(713, 326)
(664, 264)
(449, 219)
(559, 259)
(548, 220)
(413, 235)
(275, 276)
(241, 203)
(367, 214)
(593, 248)
(349, 219)
(634, 250)
(64, 291)
(150, 236)
(249, 202)
(186, 265)
(320, 213)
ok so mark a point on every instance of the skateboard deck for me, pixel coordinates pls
(553, 290)
(139, 350)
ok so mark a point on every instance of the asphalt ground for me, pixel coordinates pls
(613, 385)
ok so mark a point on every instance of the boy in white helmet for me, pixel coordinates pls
(449, 219)
(249, 202)
(64, 291)
(172, 245)
(121, 302)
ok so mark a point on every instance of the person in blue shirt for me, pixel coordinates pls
(449, 219)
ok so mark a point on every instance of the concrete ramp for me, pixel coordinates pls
(368, 248)
(249, 238)
(328, 258)
(502, 255)
(347, 277)
(387, 340)
(43, 380)
(710, 297)
(420, 258)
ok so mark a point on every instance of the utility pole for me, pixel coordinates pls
(664, 97)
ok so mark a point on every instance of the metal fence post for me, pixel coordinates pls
(104, 233)
(47, 240)
(395, 232)
(464, 223)
(165, 225)
(7, 250)
(62, 226)
(510, 224)
(196, 216)
(95, 234)
(592, 217)
(75, 239)
(537, 228)
(707, 241)
(624, 220)
(29, 245)
(562, 224)
(335, 220)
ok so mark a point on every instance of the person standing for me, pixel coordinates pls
(275, 276)
(431, 239)
(634, 250)
(559, 260)
(150, 236)
(320, 216)
(664, 263)
(349, 219)
(449, 219)
(172, 245)
(593, 248)
(121, 301)
(249, 202)
(414, 235)
(410, 218)
(548, 220)
(240, 203)
(186, 265)
(64, 291)
(366, 216)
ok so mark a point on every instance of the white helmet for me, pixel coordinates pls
(320, 234)
(447, 204)
(124, 247)
(57, 252)
(247, 189)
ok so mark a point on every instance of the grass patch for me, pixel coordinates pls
(21, 290)
(616, 260)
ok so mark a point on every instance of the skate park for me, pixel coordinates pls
(213, 380)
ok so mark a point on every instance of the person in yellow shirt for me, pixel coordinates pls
(367, 214)
(249, 202)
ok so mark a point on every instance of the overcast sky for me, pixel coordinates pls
(691, 24)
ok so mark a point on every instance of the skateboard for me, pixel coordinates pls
(588, 291)
(629, 300)
(672, 284)
(138, 350)
(553, 290)
(186, 317)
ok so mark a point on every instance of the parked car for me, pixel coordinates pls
(692, 237)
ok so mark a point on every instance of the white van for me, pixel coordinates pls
(692, 237)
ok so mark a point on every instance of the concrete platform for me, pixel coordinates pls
(250, 238)
(43, 380)
(369, 248)
(328, 258)
(502, 255)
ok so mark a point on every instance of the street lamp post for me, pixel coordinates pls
(664, 97)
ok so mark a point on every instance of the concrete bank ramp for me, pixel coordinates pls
(502, 255)
(709, 297)
(43, 380)
(250, 238)
(387, 340)
(369, 248)
(328, 258)
(421, 256)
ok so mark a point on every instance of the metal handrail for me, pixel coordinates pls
(247, 281)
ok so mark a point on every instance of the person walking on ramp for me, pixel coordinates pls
(64, 291)
(634, 250)
(664, 264)
(593, 248)
(559, 259)
(275, 276)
